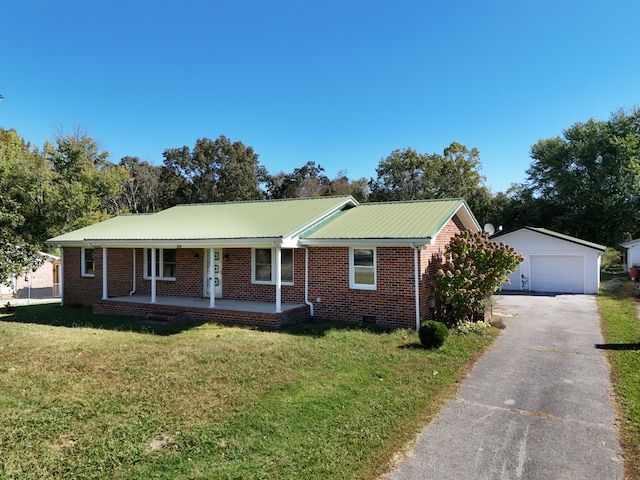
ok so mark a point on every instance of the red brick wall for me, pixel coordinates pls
(236, 279)
(428, 261)
(79, 290)
(189, 275)
(392, 303)
(120, 271)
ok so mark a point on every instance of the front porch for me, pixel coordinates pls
(188, 308)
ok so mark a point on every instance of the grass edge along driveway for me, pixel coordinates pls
(85, 396)
(619, 313)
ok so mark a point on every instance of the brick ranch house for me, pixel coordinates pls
(270, 262)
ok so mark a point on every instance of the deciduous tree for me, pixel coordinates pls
(216, 171)
(589, 179)
(409, 175)
(306, 181)
(26, 178)
(88, 185)
(16, 255)
(140, 190)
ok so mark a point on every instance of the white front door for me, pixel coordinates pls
(217, 274)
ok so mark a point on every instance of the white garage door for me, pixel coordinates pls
(556, 273)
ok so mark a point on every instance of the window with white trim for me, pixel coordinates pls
(165, 263)
(263, 268)
(362, 268)
(87, 264)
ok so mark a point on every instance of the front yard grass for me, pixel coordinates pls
(108, 397)
(619, 313)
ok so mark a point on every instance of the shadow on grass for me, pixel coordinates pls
(319, 328)
(618, 346)
(76, 317)
(414, 346)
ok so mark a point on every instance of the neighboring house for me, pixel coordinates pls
(553, 262)
(633, 254)
(265, 262)
(41, 283)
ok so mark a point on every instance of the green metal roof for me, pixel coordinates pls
(315, 220)
(392, 221)
(216, 221)
(133, 225)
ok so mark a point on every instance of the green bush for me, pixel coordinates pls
(433, 334)
(611, 261)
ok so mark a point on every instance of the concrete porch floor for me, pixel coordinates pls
(221, 304)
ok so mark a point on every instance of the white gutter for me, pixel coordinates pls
(104, 274)
(170, 242)
(416, 280)
(386, 242)
(278, 272)
(61, 277)
(153, 275)
(306, 280)
(133, 290)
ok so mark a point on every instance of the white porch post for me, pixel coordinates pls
(104, 273)
(212, 278)
(153, 275)
(278, 278)
(417, 248)
(61, 278)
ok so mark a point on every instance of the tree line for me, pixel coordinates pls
(584, 183)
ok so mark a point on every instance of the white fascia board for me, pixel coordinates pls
(174, 243)
(468, 215)
(290, 242)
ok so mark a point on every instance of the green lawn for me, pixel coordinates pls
(619, 314)
(108, 397)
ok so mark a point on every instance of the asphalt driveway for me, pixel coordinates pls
(536, 406)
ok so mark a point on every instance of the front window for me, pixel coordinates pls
(263, 265)
(286, 265)
(165, 263)
(87, 262)
(362, 268)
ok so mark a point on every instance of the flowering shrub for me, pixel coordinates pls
(465, 326)
(472, 268)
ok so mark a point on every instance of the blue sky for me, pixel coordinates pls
(341, 83)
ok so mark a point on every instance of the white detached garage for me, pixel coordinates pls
(553, 262)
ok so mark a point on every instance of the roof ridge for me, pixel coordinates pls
(421, 200)
(267, 200)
